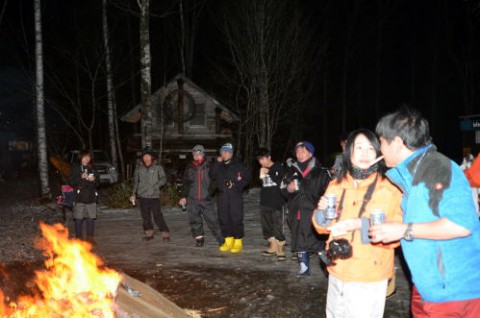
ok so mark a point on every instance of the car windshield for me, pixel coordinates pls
(100, 156)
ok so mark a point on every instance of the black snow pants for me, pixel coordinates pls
(196, 209)
(230, 214)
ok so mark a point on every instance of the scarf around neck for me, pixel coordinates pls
(361, 174)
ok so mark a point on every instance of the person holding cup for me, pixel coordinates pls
(85, 180)
(358, 270)
(304, 182)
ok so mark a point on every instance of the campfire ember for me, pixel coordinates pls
(74, 282)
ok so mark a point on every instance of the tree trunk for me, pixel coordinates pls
(2, 12)
(39, 93)
(110, 92)
(145, 62)
(182, 36)
(263, 120)
(132, 68)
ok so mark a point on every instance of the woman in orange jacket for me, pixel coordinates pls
(359, 270)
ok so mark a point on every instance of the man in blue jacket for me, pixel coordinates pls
(440, 236)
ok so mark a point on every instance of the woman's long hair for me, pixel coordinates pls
(346, 164)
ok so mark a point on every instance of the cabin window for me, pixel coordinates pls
(199, 119)
(170, 108)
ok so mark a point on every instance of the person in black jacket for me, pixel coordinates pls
(304, 183)
(197, 198)
(84, 180)
(230, 178)
(271, 204)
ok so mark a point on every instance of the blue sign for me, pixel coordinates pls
(469, 125)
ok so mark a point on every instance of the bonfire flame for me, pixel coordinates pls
(74, 284)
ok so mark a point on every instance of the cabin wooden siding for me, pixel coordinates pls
(219, 125)
(212, 109)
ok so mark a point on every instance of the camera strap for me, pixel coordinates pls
(340, 205)
(366, 197)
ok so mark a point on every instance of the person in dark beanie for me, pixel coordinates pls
(197, 197)
(304, 183)
(271, 204)
(84, 180)
(230, 178)
(149, 177)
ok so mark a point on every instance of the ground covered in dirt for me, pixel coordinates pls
(210, 283)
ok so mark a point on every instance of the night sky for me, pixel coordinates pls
(428, 57)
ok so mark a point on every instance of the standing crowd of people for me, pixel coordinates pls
(387, 189)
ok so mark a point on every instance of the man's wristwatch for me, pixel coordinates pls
(408, 235)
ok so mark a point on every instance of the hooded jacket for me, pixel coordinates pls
(312, 186)
(147, 181)
(196, 181)
(369, 262)
(85, 191)
(301, 204)
(234, 171)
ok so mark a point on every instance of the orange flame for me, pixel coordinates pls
(72, 285)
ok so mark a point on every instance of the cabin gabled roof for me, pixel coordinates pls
(135, 114)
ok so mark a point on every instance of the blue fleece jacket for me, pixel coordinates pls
(435, 187)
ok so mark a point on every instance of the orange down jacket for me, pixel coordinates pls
(473, 173)
(369, 262)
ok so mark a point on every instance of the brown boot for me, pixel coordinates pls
(165, 236)
(281, 250)
(272, 247)
(148, 235)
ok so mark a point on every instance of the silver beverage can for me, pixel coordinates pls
(331, 210)
(319, 216)
(377, 217)
(297, 184)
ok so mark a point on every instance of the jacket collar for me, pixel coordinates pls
(310, 165)
(401, 175)
(350, 182)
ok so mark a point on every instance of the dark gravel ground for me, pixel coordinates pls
(210, 283)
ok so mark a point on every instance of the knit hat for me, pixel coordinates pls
(307, 145)
(198, 148)
(148, 150)
(227, 148)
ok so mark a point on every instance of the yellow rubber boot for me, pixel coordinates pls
(237, 246)
(227, 244)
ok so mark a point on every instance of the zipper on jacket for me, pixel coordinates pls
(440, 265)
(199, 178)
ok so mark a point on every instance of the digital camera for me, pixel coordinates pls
(228, 182)
(337, 249)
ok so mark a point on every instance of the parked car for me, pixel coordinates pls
(102, 163)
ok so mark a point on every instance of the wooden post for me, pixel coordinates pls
(217, 120)
(180, 106)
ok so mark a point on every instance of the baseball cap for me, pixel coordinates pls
(199, 148)
(227, 148)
